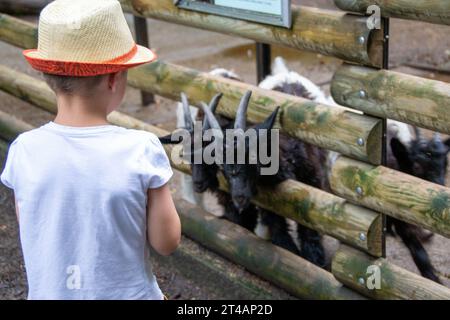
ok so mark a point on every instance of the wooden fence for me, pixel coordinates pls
(351, 214)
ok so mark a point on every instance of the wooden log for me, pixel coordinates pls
(327, 32)
(317, 124)
(10, 126)
(18, 32)
(394, 193)
(297, 276)
(315, 208)
(203, 267)
(359, 271)
(23, 7)
(388, 94)
(434, 11)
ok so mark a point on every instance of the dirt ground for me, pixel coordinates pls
(411, 43)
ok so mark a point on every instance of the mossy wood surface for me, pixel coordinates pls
(331, 33)
(292, 273)
(321, 125)
(359, 271)
(388, 94)
(394, 193)
(435, 11)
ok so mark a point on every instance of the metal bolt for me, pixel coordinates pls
(361, 281)
(361, 40)
(362, 236)
(360, 142)
(362, 94)
(359, 191)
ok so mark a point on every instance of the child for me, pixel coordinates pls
(90, 195)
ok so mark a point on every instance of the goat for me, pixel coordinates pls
(427, 160)
(244, 177)
(189, 192)
(204, 176)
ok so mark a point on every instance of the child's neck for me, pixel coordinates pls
(80, 111)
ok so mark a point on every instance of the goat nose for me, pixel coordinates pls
(240, 199)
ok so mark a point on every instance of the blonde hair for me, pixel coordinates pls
(71, 85)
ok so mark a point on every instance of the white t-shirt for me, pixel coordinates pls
(82, 195)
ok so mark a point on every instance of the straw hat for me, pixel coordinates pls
(85, 38)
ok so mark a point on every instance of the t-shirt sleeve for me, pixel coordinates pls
(160, 170)
(8, 176)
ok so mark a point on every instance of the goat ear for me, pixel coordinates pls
(401, 153)
(447, 143)
(188, 123)
(270, 121)
(168, 140)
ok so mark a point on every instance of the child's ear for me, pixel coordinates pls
(112, 81)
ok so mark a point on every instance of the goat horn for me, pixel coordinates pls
(188, 123)
(241, 113)
(212, 106)
(418, 133)
(211, 119)
(437, 137)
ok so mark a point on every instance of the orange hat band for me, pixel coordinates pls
(81, 69)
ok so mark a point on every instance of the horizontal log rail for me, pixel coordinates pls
(325, 126)
(292, 273)
(394, 193)
(359, 272)
(23, 7)
(18, 32)
(321, 125)
(331, 33)
(312, 207)
(434, 11)
(388, 94)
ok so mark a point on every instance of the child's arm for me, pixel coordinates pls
(163, 223)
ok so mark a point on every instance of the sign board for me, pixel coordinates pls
(274, 12)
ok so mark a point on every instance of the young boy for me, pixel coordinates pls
(90, 195)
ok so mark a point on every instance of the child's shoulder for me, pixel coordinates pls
(30, 136)
(141, 135)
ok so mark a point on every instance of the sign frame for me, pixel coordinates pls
(285, 20)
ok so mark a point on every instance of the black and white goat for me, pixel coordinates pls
(186, 185)
(243, 179)
(204, 176)
(428, 160)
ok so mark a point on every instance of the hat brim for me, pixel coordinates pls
(86, 69)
